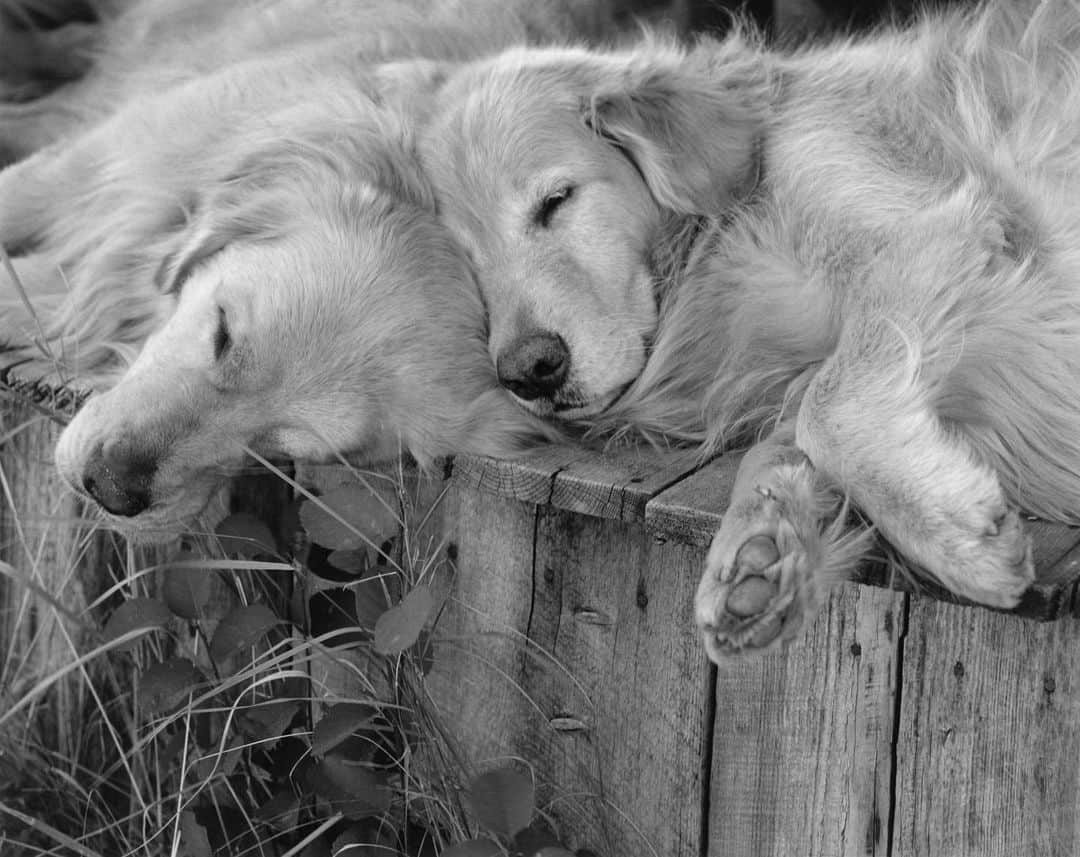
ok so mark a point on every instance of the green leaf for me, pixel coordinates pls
(355, 562)
(400, 626)
(193, 839)
(241, 629)
(245, 536)
(281, 811)
(267, 721)
(164, 686)
(536, 837)
(503, 800)
(368, 516)
(473, 848)
(339, 722)
(187, 590)
(361, 840)
(352, 789)
(148, 613)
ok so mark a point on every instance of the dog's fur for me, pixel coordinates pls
(251, 260)
(874, 247)
(142, 47)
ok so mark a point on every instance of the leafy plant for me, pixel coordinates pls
(220, 731)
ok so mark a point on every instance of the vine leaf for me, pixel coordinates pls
(281, 812)
(193, 839)
(400, 626)
(351, 789)
(372, 516)
(244, 535)
(187, 590)
(355, 562)
(266, 722)
(339, 722)
(536, 838)
(503, 800)
(241, 629)
(164, 686)
(148, 613)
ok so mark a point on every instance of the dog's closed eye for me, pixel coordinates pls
(550, 204)
(222, 339)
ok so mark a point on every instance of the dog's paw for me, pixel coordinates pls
(766, 566)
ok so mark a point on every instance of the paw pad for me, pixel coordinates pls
(756, 555)
(750, 596)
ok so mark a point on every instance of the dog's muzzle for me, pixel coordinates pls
(534, 365)
(118, 476)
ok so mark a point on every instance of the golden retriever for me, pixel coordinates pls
(142, 47)
(249, 261)
(864, 253)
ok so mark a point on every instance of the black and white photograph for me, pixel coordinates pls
(539, 428)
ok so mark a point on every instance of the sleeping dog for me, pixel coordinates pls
(861, 255)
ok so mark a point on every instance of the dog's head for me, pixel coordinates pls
(319, 307)
(565, 173)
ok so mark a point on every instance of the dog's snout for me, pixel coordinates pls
(118, 475)
(534, 365)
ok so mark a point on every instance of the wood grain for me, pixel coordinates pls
(988, 749)
(569, 644)
(480, 647)
(58, 563)
(802, 744)
(614, 608)
(618, 484)
(690, 510)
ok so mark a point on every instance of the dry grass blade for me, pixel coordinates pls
(50, 831)
(41, 341)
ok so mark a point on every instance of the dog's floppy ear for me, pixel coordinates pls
(215, 224)
(691, 121)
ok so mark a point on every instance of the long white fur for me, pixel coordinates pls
(143, 47)
(280, 189)
(881, 251)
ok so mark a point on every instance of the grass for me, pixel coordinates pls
(251, 689)
(129, 729)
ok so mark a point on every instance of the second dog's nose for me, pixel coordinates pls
(534, 365)
(118, 476)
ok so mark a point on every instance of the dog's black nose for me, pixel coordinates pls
(118, 475)
(534, 365)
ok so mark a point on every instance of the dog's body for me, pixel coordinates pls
(249, 259)
(141, 48)
(875, 256)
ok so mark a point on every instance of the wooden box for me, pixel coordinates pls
(902, 724)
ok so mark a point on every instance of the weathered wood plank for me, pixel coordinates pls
(802, 746)
(618, 484)
(988, 749)
(1067, 570)
(528, 478)
(690, 510)
(480, 650)
(613, 484)
(47, 543)
(615, 608)
(569, 643)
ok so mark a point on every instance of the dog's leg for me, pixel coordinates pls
(34, 191)
(28, 127)
(867, 421)
(781, 545)
(30, 293)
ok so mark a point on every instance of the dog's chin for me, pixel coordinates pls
(161, 523)
(572, 408)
